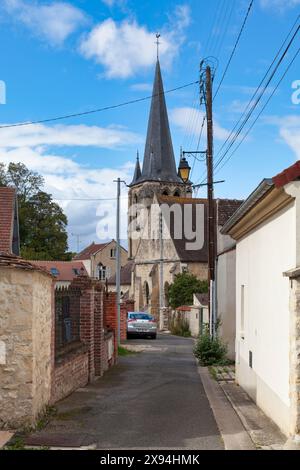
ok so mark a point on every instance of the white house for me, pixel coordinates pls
(225, 276)
(266, 228)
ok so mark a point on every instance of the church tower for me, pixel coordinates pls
(159, 174)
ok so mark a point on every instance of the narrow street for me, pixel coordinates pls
(152, 399)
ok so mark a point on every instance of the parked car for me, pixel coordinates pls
(141, 324)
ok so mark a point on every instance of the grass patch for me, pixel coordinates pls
(124, 351)
(213, 372)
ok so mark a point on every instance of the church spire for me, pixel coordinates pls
(159, 162)
(137, 170)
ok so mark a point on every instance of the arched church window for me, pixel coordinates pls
(146, 293)
(165, 192)
(166, 292)
(177, 193)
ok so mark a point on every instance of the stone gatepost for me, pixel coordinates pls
(26, 324)
(294, 276)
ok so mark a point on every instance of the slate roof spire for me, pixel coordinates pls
(137, 170)
(159, 162)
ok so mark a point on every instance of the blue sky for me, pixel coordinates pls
(64, 57)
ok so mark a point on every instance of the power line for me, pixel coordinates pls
(234, 48)
(226, 23)
(98, 110)
(250, 112)
(261, 111)
(258, 88)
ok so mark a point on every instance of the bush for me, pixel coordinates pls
(180, 327)
(210, 351)
(182, 290)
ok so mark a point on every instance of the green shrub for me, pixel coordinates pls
(210, 351)
(180, 327)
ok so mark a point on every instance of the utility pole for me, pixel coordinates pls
(161, 274)
(118, 258)
(210, 199)
(77, 240)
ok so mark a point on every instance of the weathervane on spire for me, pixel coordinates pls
(157, 44)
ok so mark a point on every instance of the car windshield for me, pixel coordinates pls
(140, 316)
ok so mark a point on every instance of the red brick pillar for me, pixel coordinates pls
(111, 316)
(98, 331)
(87, 326)
(123, 321)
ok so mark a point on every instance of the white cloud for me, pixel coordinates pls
(142, 87)
(125, 48)
(279, 5)
(66, 180)
(288, 129)
(112, 3)
(52, 22)
(109, 3)
(181, 117)
(290, 133)
(67, 135)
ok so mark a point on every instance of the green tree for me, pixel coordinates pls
(182, 290)
(43, 234)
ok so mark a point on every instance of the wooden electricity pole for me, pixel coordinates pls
(211, 229)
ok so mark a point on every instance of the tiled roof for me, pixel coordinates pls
(13, 261)
(203, 298)
(288, 175)
(125, 275)
(184, 308)
(90, 250)
(226, 207)
(291, 173)
(185, 255)
(65, 269)
(7, 206)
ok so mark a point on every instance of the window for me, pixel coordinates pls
(113, 252)
(146, 293)
(54, 271)
(102, 272)
(177, 193)
(140, 316)
(76, 271)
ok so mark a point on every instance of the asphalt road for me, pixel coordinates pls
(150, 400)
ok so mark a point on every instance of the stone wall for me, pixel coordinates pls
(25, 341)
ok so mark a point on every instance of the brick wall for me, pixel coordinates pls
(89, 357)
(111, 318)
(70, 373)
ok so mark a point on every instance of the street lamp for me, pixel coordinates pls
(184, 170)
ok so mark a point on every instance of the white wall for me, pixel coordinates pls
(262, 257)
(226, 299)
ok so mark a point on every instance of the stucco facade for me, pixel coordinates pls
(226, 299)
(100, 260)
(263, 325)
(267, 299)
